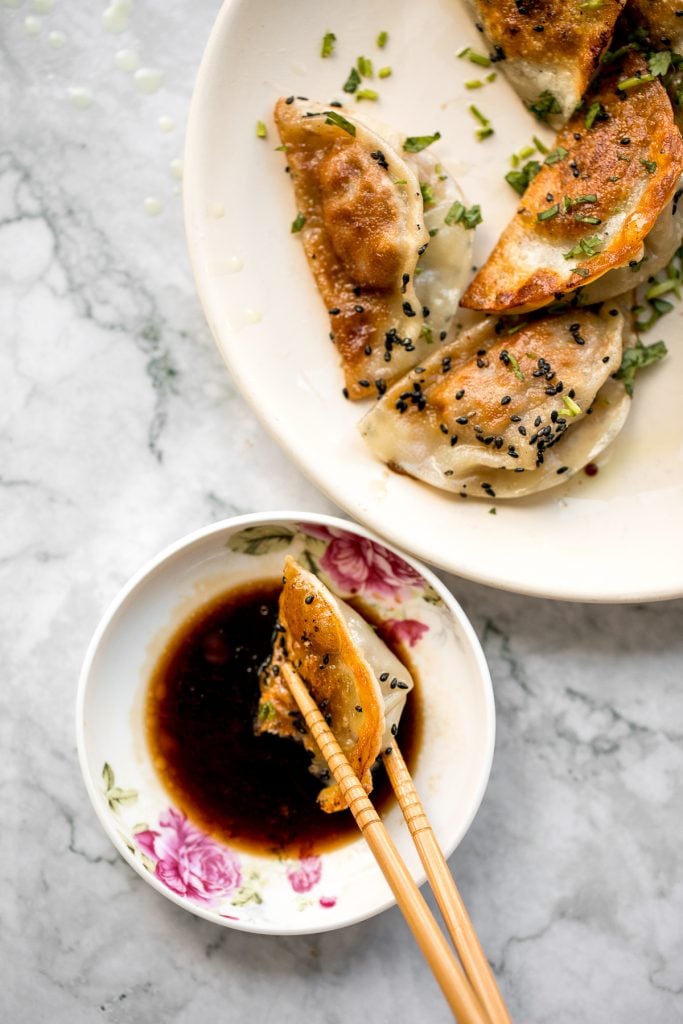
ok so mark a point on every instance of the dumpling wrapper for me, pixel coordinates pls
(556, 63)
(516, 438)
(345, 665)
(663, 21)
(631, 181)
(366, 233)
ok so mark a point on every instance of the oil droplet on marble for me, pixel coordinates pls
(56, 39)
(235, 264)
(252, 316)
(298, 68)
(43, 6)
(33, 25)
(148, 80)
(167, 124)
(216, 210)
(80, 96)
(126, 60)
(115, 17)
(176, 167)
(152, 206)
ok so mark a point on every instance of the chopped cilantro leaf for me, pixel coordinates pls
(352, 82)
(659, 63)
(545, 105)
(520, 179)
(636, 358)
(555, 155)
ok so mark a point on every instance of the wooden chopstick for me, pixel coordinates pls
(420, 919)
(460, 927)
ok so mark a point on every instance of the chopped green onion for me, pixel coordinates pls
(649, 165)
(384, 73)
(298, 223)
(492, 77)
(661, 288)
(571, 408)
(514, 364)
(459, 214)
(475, 58)
(364, 65)
(352, 82)
(596, 112)
(634, 81)
(427, 193)
(589, 246)
(548, 214)
(416, 143)
(525, 152)
(367, 94)
(382, 39)
(586, 219)
(261, 130)
(474, 83)
(557, 154)
(327, 45)
(540, 146)
(487, 128)
(332, 117)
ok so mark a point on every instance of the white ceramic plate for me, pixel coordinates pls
(607, 538)
(221, 882)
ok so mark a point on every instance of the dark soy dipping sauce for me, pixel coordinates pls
(253, 791)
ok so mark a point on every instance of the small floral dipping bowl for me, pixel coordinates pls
(229, 886)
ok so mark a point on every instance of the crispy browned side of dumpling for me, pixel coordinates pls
(663, 20)
(502, 415)
(616, 166)
(548, 49)
(316, 641)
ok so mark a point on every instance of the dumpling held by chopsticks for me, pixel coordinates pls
(358, 684)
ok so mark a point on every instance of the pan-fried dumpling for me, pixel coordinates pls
(589, 210)
(388, 267)
(663, 20)
(548, 49)
(502, 414)
(357, 682)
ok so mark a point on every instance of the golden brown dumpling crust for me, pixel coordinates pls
(363, 235)
(620, 173)
(316, 642)
(548, 46)
(570, 33)
(663, 20)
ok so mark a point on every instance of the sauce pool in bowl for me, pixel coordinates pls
(252, 791)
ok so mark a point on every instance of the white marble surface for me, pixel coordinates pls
(120, 431)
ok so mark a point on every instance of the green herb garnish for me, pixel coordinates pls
(266, 712)
(633, 82)
(416, 143)
(352, 82)
(545, 105)
(382, 39)
(327, 45)
(367, 94)
(636, 358)
(475, 58)
(520, 179)
(649, 165)
(261, 130)
(298, 223)
(384, 73)
(555, 155)
(659, 63)
(459, 214)
(332, 117)
(571, 408)
(427, 193)
(548, 214)
(486, 126)
(589, 246)
(364, 65)
(596, 112)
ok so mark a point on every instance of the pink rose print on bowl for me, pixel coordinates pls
(405, 631)
(357, 565)
(188, 861)
(306, 874)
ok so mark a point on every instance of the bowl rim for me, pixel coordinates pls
(167, 554)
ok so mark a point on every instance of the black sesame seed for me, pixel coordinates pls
(505, 400)
(462, 419)
(459, 394)
(383, 678)
(358, 708)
